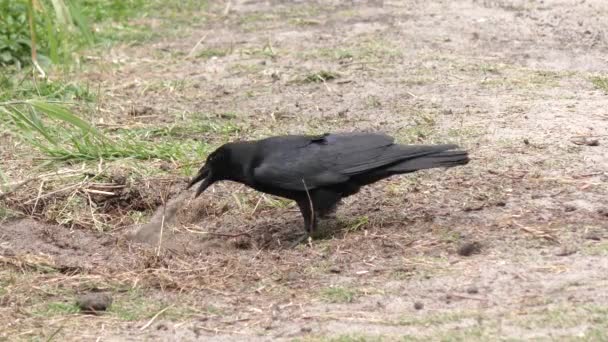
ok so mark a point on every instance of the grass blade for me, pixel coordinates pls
(58, 112)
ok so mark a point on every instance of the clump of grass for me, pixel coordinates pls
(193, 130)
(61, 135)
(12, 88)
(114, 10)
(54, 309)
(338, 294)
(600, 83)
(5, 212)
(422, 128)
(212, 52)
(39, 30)
(356, 224)
(320, 76)
(373, 102)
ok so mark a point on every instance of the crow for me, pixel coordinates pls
(318, 171)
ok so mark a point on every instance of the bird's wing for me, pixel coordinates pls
(325, 160)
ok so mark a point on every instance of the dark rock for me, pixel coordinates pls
(94, 302)
(469, 248)
(566, 250)
(472, 290)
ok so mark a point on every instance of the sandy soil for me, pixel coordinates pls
(508, 80)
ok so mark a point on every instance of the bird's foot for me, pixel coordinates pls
(299, 240)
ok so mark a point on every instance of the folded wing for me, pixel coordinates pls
(334, 158)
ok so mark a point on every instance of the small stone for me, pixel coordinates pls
(566, 250)
(242, 243)
(335, 270)
(472, 290)
(162, 326)
(418, 305)
(595, 236)
(94, 302)
(469, 248)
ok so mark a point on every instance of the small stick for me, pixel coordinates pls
(16, 187)
(257, 205)
(217, 234)
(99, 192)
(155, 317)
(162, 224)
(227, 8)
(37, 197)
(197, 45)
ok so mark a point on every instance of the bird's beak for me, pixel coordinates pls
(205, 184)
(206, 176)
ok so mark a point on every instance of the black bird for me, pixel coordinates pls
(318, 171)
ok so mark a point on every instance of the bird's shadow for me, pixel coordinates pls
(290, 234)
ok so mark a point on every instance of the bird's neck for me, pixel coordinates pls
(242, 161)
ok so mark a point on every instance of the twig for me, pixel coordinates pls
(216, 330)
(155, 317)
(54, 334)
(324, 83)
(218, 234)
(37, 197)
(256, 205)
(537, 233)
(162, 223)
(468, 297)
(227, 9)
(99, 192)
(17, 187)
(200, 41)
(52, 193)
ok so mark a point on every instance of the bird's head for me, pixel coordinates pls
(216, 167)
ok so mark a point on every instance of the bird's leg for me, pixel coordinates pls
(310, 220)
(310, 217)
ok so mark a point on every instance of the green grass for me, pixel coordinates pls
(62, 135)
(365, 50)
(320, 76)
(338, 294)
(521, 78)
(600, 83)
(420, 129)
(133, 21)
(112, 10)
(53, 29)
(598, 248)
(63, 27)
(356, 223)
(54, 309)
(13, 88)
(212, 52)
(134, 307)
(187, 129)
(130, 306)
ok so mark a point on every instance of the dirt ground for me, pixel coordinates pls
(508, 80)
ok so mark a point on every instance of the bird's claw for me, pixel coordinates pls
(299, 240)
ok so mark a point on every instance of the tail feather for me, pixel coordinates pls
(441, 159)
